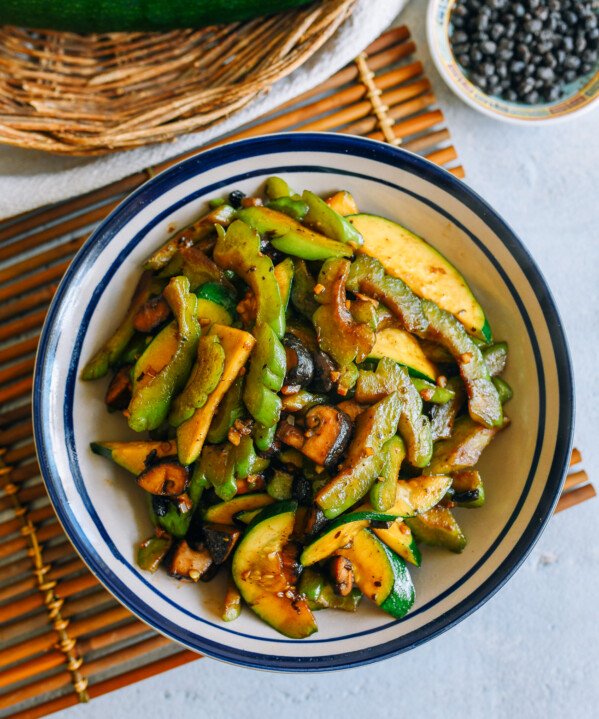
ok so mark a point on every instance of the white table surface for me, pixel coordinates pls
(532, 651)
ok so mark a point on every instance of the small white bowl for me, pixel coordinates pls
(104, 512)
(580, 95)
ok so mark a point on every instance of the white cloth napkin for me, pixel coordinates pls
(30, 179)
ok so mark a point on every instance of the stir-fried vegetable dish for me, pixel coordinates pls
(313, 387)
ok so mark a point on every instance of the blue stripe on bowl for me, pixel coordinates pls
(217, 157)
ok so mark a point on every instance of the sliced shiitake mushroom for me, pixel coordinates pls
(324, 369)
(315, 521)
(328, 431)
(291, 435)
(118, 394)
(325, 437)
(151, 314)
(186, 563)
(301, 490)
(300, 366)
(220, 539)
(166, 477)
(342, 574)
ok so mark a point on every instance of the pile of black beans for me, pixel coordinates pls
(528, 50)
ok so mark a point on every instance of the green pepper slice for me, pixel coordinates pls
(239, 250)
(302, 290)
(324, 219)
(443, 415)
(504, 391)
(483, 401)
(230, 408)
(203, 379)
(192, 234)
(320, 593)
(414, 427)
(289, 236)
(176, 522)
(110, 353)
(383, 491)
(152, 551)
(265, 377)
(367, 275)
(364, 460)
(222, 465)
(495, 357)
(431, 392)
(264, 436)
(297, 209)
(276, 187)
(425, 319)
(344, 339)
(151, 399)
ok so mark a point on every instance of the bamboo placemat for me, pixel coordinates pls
(63, 638)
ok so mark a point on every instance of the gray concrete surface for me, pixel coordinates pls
(532, 651)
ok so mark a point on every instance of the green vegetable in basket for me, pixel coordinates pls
(87, 16)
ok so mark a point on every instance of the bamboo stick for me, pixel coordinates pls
(576, 478)
(22, 565)
(19, 349)
(93, 603)
(17, 389)
(16, 455)
(18, 269)
(15, 414)
(22, 324)
(43, 643)
(427, 140)
(575, 496)
(458, 171)
(65, 589)
(109, 661)
(394, 35)
(16, 432)
(362, 109)
(30, 669)
(443, 155)
(26, 495)
(382, 59)
(29, 302)
(25, 585)
(35, 516)
(108, 685)
(72, 224)
(20, 474)
(33, 281)
(16, 370)
(69, 207)
(418, 123)
(410, 107)
(575, 457)
(48, 531)
(55, 658)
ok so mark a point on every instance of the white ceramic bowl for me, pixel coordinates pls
(579, 96)
(104, 512)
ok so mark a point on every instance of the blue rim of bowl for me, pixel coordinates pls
(327, 143)
(584, 96)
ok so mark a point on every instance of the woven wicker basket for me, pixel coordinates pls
(93, 94)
